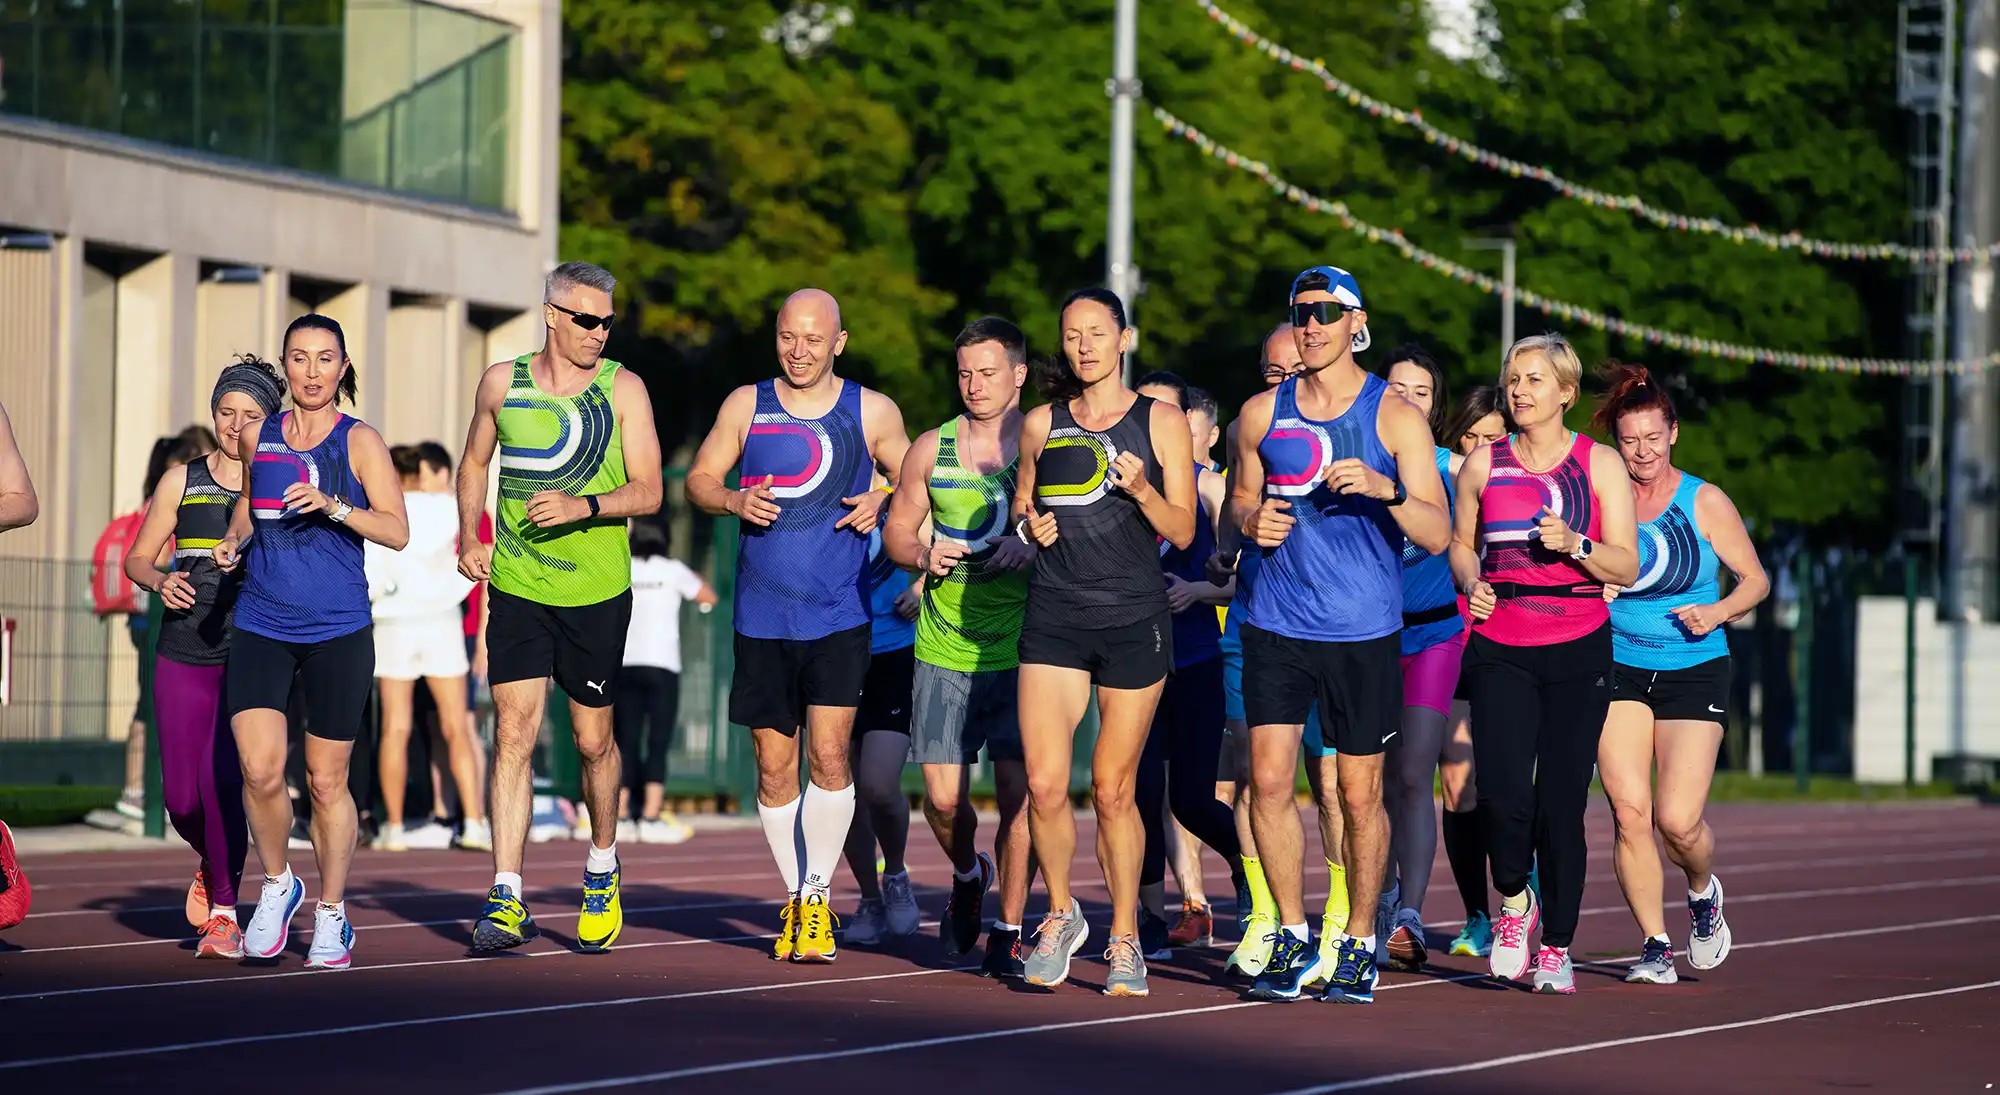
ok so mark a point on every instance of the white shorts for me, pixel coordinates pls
(425, 646)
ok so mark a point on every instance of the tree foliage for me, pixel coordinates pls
(935, 161)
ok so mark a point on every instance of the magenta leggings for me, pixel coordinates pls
(203, 777)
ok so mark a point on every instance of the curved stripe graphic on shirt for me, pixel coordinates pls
(789, 434)
(1669, 555)
(1286, 434)
(981, 499)
(277, 453)
(1089, 488)
(583, 436)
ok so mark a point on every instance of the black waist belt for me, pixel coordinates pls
(1505, 590)
(1444, 611)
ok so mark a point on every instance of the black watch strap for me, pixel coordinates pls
(1402, 495)
(592, 499)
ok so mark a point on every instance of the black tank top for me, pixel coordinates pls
(200, 635)
(1104, 568)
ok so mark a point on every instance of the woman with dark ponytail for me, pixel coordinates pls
(1669, 672)
(1106, 475)
(319, 483)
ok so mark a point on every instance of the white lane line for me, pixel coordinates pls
(726, 1067)
(500, 1013)
(1392, 1078)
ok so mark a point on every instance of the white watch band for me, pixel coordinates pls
(1021, 530)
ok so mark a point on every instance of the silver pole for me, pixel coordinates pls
(1974, 469)
(1120, 275)
(1504, 245)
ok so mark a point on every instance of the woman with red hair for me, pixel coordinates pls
(1670, 672)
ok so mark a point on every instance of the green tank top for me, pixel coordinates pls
(971, 619)
(569, 444)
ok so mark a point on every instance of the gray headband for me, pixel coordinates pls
(254, 381)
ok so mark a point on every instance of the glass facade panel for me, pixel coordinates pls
(401, 94)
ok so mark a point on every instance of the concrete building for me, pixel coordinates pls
(180, 178)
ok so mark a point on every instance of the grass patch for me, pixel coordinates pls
(28, 807)
(1743, 787)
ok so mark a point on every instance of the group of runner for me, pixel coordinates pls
(1404, 593)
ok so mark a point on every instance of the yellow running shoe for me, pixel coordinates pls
(788, 930)
(603, 914)
(1247, 961)
(815, 940)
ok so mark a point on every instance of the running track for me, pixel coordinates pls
(1857, 965)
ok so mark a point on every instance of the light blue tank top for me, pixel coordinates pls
(1427, 586)
(1677, 566)
(1338, 576)
(802, 578)
(304, 582)
(886, 582)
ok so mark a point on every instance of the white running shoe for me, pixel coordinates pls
(665, 829)
(333, 941)
(477, 836)
(428, 837)
(900, 905)
(390, 839)
(271, 924)
(1708, 942)
(1511, 933)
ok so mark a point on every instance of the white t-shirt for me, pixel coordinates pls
(422, 580)
(659, 585)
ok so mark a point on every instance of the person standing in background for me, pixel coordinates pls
(649, 684)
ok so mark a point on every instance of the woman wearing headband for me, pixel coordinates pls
(202, 777)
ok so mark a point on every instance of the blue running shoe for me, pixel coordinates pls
(1294, 965)
(1353, 980)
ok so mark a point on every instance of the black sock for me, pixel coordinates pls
(1465, 849)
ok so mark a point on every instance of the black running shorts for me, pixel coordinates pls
(334, 677)
(1129, 657)
(582, 647)
(1358, 686)
(1699, 693)
(777, 679)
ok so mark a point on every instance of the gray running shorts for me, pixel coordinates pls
(954, 713)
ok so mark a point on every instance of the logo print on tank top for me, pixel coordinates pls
(293, 467)
(1302, 451)
(981, 500)
(1515, 544)
(1669, 555)
(1076, 465)
(792, 451)
(583, 425)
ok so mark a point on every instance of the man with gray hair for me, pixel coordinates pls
(578, 456)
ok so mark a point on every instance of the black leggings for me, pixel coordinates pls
(1537, 712)
(649, 701)
(1183, 747)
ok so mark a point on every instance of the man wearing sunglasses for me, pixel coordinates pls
(578, 456)
(1332, 473)
(805, 444)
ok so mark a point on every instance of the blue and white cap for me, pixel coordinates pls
(1344, 288)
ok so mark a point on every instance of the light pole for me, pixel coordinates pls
(1120, 276)
(1506, 248)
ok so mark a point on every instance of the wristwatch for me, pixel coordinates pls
(592, 499)
(1402, 495)
(1582, 551)
(1021, 530)
(341, 508)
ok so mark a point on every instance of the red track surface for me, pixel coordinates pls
(1867, 918)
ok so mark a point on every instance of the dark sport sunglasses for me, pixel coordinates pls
(584, 319)
(1325, 311)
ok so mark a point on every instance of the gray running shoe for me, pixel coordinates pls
(1553, 973)
(1128, 968)
(1056, 942)
(900, 905)
(864, 928)
(1708, 943)
(1655, 965)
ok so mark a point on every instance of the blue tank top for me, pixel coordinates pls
(1677, 567)
(801, 578)
(1430, 599)
(886, 582)
(1338, 576)
(303, 580)
(1197, 633)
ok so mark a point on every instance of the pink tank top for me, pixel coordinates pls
(1544, 598)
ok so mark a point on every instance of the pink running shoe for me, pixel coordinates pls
(1553, 972)
(1510, 939)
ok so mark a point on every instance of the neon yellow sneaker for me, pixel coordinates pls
(603, 914)
(815, 939)
(1329, 946)
(788, 930)
(503, 924)
(1247, 961)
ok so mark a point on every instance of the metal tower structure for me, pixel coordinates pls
(1925, 87)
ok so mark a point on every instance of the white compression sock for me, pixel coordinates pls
(509, 879)
(601, 860)
(780, 831)
(1300, 932)
(825, 816)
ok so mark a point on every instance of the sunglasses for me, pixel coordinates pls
(585, 320)
(1324, 311)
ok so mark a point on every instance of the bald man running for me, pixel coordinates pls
(805, 444)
